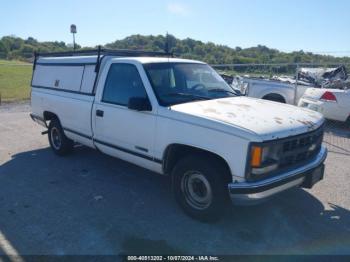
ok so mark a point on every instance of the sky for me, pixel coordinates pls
(319, 26)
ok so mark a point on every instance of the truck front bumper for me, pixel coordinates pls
(248, 193)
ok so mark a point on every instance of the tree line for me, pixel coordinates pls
(12, 47)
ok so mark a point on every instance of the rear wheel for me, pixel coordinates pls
(199, 188)
(59, 143)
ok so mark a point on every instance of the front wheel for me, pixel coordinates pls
(199, 188)
(59, 143)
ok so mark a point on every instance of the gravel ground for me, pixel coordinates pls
(90, 203)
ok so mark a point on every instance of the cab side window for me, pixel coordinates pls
(123, 82)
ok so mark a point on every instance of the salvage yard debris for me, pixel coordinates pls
(325, 77)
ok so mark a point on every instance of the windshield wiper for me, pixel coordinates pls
(189, 95)
(219, 90)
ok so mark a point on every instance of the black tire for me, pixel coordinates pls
(275, 98)
(347, 122)
(59, 143)
(196, 169)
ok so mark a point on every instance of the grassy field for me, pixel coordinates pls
(15, 79)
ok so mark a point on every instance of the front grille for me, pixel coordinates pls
(300, 148)
(292, 152)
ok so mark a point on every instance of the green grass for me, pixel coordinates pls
(15, 79)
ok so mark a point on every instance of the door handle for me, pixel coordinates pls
(99, 113)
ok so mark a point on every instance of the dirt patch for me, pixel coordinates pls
(15, 106)
(231, 115)
(242, 106)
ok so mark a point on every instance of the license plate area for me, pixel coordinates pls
(313, 177)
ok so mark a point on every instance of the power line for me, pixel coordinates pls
(317, 52)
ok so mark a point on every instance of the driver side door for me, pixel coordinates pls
(119, 131)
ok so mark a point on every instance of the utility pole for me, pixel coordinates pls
(167, 47)
(296, 85)
(73, 30)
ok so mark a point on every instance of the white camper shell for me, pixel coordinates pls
(75, 74)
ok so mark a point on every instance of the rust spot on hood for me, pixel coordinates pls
(243, 106)
(224, 102)
(278, 120)
(211, 110)
(230, 114)
(307, 123)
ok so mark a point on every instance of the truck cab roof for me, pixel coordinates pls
(92, 60)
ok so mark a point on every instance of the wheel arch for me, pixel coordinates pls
(174, 152)
(48, 115)
(274, 96)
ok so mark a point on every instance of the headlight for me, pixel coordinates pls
(264, 159)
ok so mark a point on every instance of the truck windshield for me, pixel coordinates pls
(176, 83)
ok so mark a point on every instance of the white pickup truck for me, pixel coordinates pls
(178, 118)
(283, 90)
(287, 89)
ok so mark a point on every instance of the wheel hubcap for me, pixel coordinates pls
(196, 190)
(56, 138)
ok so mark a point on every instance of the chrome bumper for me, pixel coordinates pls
(247, 193)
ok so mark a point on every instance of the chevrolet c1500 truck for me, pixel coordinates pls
(178, 118)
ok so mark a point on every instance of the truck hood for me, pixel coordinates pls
(267, 119)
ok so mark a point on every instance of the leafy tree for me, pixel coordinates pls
(12, 47)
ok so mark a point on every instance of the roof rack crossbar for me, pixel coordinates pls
(111, 52)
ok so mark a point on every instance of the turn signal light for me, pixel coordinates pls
(256, 156)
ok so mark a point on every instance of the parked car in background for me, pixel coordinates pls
(334, 104)
(288, 90)
(281, 89)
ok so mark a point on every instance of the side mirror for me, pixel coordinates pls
(139, 104)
